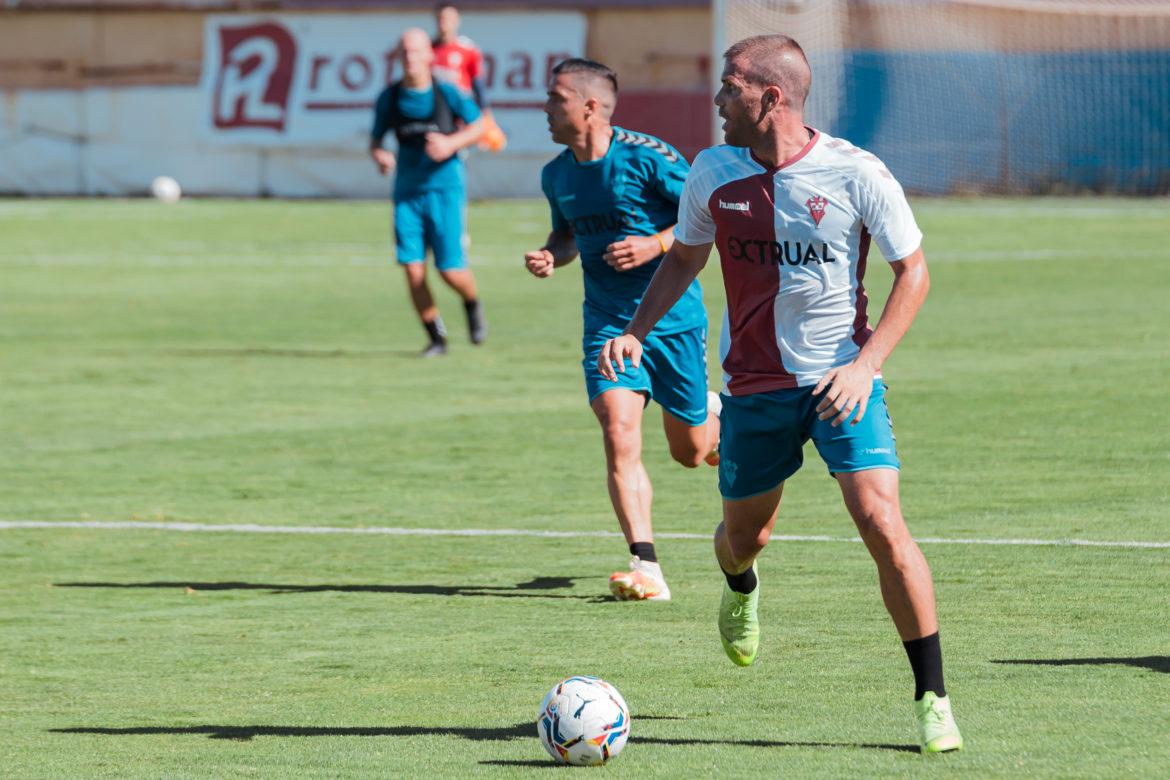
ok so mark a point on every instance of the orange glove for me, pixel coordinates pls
(493, 139)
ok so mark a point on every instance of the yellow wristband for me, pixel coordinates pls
(661, 243)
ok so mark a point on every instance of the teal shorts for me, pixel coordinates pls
(434, 219)
(762, 436)
(673, 370)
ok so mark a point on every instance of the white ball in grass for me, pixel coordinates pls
(166, 189)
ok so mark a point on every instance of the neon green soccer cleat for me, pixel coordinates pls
(937, 731)
(739, 624)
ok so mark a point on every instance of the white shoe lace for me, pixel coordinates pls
(649, 568)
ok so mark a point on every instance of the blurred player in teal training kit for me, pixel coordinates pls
(614, 199)
(430, 193)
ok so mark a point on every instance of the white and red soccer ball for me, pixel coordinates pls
(583, 721)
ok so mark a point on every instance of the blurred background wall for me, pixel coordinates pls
(273, 97)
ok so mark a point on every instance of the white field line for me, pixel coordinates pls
(251, 528)
(341, 257)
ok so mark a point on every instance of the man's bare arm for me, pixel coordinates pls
(441, 146)
(560, 249)
(383, 158)
(679, 268)
(847, 388)
(911, 284)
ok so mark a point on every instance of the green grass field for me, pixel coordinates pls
(253, 363)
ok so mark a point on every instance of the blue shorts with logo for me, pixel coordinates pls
(434, 219)
(762, 436)
(673, 370)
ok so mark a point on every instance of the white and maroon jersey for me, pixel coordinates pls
(793, 242)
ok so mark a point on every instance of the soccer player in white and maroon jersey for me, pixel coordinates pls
(793, 213)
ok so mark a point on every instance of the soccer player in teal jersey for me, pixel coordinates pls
(430, 192)
(614, 199)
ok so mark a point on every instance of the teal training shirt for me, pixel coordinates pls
(416, 173)
(633, 190)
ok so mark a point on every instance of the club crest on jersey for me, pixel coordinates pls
(816, 208)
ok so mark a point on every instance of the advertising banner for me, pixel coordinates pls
(311, 80)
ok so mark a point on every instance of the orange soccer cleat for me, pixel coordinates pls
(643, 582)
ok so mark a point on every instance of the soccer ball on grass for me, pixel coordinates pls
(166, 189)
(583, 721)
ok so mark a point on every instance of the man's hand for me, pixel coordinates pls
(539, 263)
(439, 147)
(617, 351)
(631, 252)
(848, 393)
(384, 160)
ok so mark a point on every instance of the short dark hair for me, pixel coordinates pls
(775, 60)
(591, 68)
(444, 6)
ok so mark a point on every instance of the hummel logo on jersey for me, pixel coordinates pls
(648, 141)
(744, 206)
(816, 208)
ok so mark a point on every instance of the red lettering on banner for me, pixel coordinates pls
(519, 75)
(255, 76)
(363, 67)
(551, 61)
(319, 62)
(489, 70)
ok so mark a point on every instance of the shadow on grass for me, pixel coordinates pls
(774, 743)
(524, 730)
(535, 588)
(1155, 663)
(247, 733)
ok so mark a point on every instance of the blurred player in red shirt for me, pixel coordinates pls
(459, 61)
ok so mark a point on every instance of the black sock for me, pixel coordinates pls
(926, 660)
(471, 308)
(744, 582)
(436, 330)
(645, 551)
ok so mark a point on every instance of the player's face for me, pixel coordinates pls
(739, 106)
(565, 108)
(448, 22)
(417, 55)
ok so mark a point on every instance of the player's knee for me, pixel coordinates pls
(416, 275)
(622, 442)
(881, 525)
(747, 543)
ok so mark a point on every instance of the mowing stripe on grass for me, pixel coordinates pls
(252, 528)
